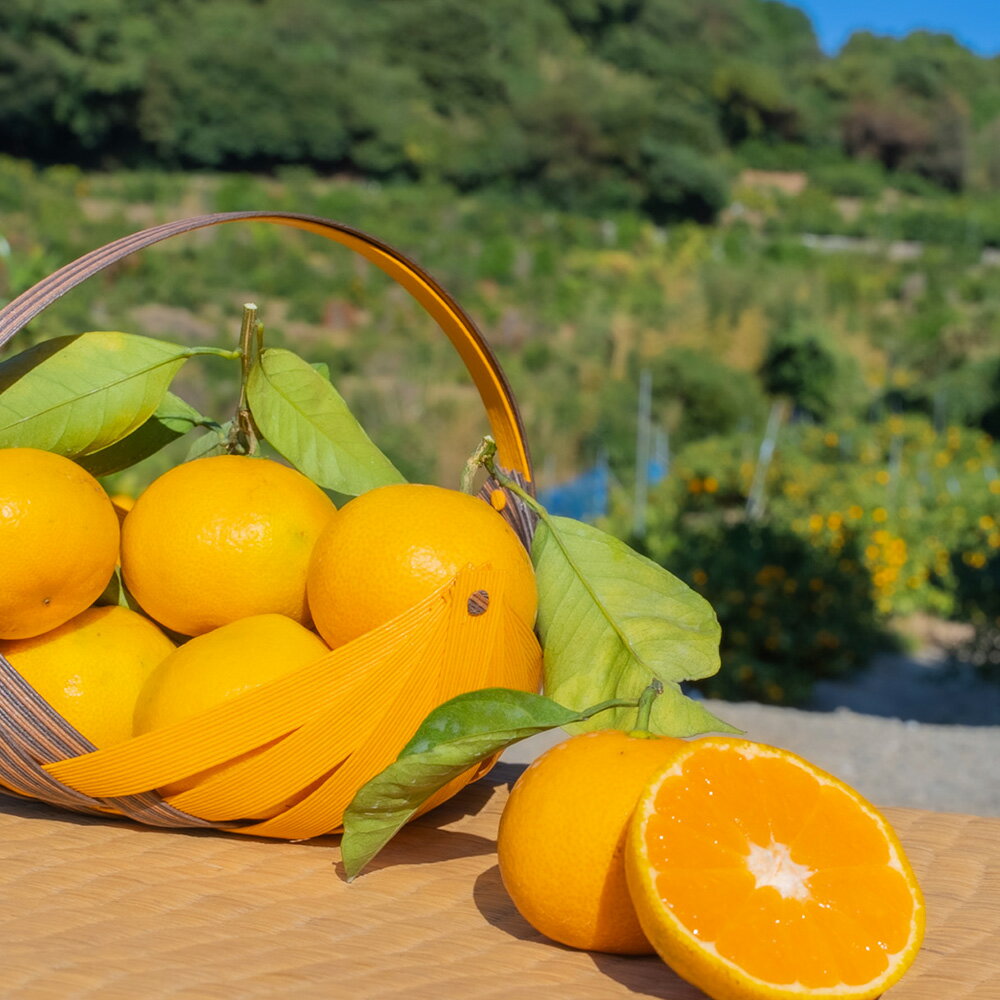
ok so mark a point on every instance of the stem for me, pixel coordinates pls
(243, 438)
(484, 453)
(645, 704)
(487, 460)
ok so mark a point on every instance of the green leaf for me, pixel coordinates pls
(172, 419)
(78, 395)
(116, 593)
(303, 417)
(212, 443)
(454, 737)
(610, 619)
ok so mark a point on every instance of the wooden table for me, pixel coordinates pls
(109, 909)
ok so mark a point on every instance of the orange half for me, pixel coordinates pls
(757, 875)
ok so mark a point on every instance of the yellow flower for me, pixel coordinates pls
(986, 522)
(854, 512)
(994, 539)
(830, 439)
(995, 486)
(882, 477)
(880, 514)
(694, 485)
(834, 521)
(815, 523)
(710, 484)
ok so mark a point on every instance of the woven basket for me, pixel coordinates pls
(333, 724)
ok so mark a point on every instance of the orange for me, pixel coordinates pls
(562, 838)
(391, 547)
(757, 875)
(217, 666)
(222, 538)
(92, 668)
(58, 541)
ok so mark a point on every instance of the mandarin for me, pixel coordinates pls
(92, 668)
(223, 538)
(757, 876)
(561, 841)
(58, 541)
(220, 665)
(393, 546)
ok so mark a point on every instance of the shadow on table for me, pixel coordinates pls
(644, 975)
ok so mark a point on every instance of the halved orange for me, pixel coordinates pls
(757, 875)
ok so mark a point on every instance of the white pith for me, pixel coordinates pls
(772, 866)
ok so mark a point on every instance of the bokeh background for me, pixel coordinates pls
(740, 261)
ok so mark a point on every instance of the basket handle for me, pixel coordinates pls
(482, 365)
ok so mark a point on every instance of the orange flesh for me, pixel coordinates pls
(790, 879)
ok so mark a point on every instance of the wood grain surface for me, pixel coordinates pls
(94, 908)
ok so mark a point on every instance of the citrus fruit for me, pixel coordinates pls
(223, 538)
(562, 837)
(92, 668)
(391, 547)
(217, 666)
(58, 541)
(757, 875)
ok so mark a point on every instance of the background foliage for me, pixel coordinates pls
(591, 104)
(797, 253)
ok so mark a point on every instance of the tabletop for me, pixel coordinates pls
(107, 908)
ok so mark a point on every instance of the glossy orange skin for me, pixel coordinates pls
(222, 538)
(561, 841)
(391, 547)
(58, 541)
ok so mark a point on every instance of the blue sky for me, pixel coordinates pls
(975, 23)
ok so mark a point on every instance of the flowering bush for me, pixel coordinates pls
(807, 559)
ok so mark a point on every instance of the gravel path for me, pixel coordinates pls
(910, 731)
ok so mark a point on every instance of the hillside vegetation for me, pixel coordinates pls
(594, 105)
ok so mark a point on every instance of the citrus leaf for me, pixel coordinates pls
(212, 443)
(78, 395)
(610, 619)
(303, 417)
(454, 737)
(172, 419)
(116, 593)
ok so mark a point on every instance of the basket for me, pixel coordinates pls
(299, 747)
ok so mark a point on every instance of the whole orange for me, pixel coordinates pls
(217, 666)
(58, 541)
(562, 838)
(92, 668)
(391, 547)
(222, 538)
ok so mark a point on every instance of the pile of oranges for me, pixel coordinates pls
(240, 571)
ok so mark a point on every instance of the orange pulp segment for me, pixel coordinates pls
(757, 875)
